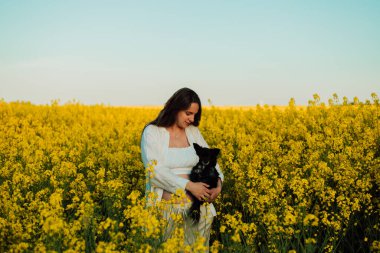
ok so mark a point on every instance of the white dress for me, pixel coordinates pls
(181, 161)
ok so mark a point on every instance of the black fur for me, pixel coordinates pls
(204, 171)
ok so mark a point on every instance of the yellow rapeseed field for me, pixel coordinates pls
(297, 179)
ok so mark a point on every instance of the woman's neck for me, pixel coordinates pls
(175, 128)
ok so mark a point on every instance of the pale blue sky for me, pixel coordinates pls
(232, 52)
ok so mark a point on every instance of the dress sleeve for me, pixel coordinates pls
(203, 143)
(162, 177)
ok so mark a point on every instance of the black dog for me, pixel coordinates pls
(204, 171)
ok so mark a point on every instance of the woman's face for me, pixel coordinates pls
(186, 117)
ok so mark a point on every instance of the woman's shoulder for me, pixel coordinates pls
(153, 129)
(150, 127)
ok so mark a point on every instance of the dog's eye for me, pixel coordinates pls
(206, 162)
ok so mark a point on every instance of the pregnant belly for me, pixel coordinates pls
(168, 195)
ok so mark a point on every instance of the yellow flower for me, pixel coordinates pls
(310, 241)
(216, 246)
(68, 170)
(310, 219)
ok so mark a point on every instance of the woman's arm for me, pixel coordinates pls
(214, 192)
(162, 177)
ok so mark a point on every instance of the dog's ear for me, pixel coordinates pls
(197, 148)
(215, 151)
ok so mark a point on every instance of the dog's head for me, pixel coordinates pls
(207, 157)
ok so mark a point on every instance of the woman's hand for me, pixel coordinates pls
(215, 192)
(199, 190)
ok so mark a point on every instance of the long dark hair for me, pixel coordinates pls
(180, 100)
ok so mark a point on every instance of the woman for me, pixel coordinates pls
(168, 140)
